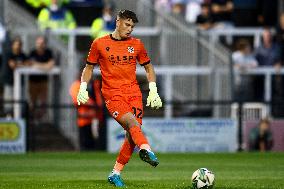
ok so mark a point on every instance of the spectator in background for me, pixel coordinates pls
(2, 39)
(178, 7)
(193, 9)
(43, 3)
(280, 36)
(89, 115)
(222, 11)
(15, 59)
(243, 60)
(205, 20)
(260, 137)
(268, 54)
(56, 16)
(41, 58)
(104, 25)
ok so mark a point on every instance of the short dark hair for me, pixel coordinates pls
(128, 14)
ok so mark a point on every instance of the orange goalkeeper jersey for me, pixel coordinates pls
(117, 60)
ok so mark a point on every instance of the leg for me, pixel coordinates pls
(134, 128)
(121, 110)
(125, 153)
(131, 125)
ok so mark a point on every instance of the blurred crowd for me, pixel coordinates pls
(205, 14)
(208, 14)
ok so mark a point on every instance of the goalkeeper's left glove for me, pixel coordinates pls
(154, 99)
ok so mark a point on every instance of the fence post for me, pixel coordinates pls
(240, 124)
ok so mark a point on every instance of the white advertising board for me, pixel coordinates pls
(181, 135)
(12, 136)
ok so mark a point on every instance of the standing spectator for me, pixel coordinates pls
(105, 24)
(56, 16)
(268, 54)
(41, 58)
(260, 137)
(280, 36)
(243, 60)
(43, 3)
(15, 59)
(90, 115)
(204, 20)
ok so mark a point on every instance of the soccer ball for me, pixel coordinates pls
(202, 178)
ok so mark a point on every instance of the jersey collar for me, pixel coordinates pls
(117, 39)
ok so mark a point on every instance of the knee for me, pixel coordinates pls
(131, 123)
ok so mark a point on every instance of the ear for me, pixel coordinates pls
(117, 22)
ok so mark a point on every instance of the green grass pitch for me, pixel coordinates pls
(90, 170)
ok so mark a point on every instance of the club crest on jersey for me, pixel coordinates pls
(130, 49)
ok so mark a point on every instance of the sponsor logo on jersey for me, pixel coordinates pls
(121, 60)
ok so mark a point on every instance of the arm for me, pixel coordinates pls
(13, 64)
(87, 73)
(153, 99)
(48, 66)
(150, 73)
(85, 78)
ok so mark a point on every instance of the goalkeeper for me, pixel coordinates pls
(116, 54)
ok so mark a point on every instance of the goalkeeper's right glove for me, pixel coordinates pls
(82, 96)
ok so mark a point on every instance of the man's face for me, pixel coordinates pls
(16, 46)
(40, 43)
(266, 36)
(124, 27)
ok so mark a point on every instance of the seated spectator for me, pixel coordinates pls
(104, 25)
(56, 16)
(222, 11)
(193, 9)
(243, 60)
(41, 58)
(260, 137)
(178, 7)
(15, 59)
(205, 21)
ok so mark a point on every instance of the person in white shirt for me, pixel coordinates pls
(243, 60)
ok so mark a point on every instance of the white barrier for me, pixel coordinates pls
(181, 135)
